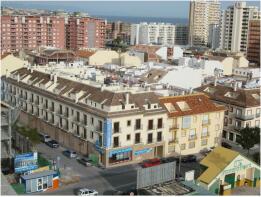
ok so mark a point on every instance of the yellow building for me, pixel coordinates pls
(101, 57)
(195, 122)
(226, 169)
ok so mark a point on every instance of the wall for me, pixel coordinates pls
(102, 57)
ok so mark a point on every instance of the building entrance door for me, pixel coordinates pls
(159, 151)
(230, 179)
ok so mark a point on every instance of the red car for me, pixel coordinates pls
(150, 162)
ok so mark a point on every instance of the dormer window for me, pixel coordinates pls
(183, 106)
(149, 105)
(233, 95)
(209, 90)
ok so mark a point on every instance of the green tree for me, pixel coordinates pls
(249, 136)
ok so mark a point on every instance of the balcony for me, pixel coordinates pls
(99, 129)
(205, 135)
(173, 141)
(174, 127)
(245, 117)
(138, 127)
(192, 137)
(257, 115)
(116, 145)
(205, 122)
(118, 130)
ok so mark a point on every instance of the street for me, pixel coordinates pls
(92, 177)
(102, 180)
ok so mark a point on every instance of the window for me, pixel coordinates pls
(230, 120)
(205, 119)
(192, 145)
(225, 121)
(217, 127)
(150, 138)
(183, 146)
(77, 116)
(128, 123)
(84, 133)
(204, 132)
(160, 123)
(137, 124)
(186, 122)
(231, 136)
(183, 133)
(116, 127)
(192, 134)
(92, 135)
(258, 111)
(116, 142)
(137, 138)
(248, 124)
(92, 120)
(128, 137)
(159, 136)
(150, 124)
(99, 125)
(85, 119)
(77, 130)
(249, 112)
(257, 123)
(231, 109)
(204, 142)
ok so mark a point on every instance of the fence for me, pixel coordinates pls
(156, 175)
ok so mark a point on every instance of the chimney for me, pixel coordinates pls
(183, 92)
(55, 78)
(127, 96)
(190, 90)
(51, 76)
(235, 86)
(31, 70)
(76, 97)
(18, 78)
(215, 81)
(102, 88)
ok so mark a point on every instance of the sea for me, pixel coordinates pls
(132, 19)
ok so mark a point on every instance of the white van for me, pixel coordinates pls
(45, 138)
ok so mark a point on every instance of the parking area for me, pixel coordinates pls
(90, 177)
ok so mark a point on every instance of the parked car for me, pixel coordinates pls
(189, 158)
(150, 162)
(53, 144)
(226, 145)
(45, 138)
(85, 161)
(70, 153)
(169, 159)
(87, 192)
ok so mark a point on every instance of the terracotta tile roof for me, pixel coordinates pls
(198, 103)
(106, 97)
(84, 53)
(244, 99)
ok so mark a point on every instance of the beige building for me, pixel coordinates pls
(196, 123)
(242, 107)
(116, 127)
(132, 59)
(101, 57)
(10, 63)
(202, 14)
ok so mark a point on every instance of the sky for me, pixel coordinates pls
(165, 9)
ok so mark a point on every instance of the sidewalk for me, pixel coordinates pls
(6, 188)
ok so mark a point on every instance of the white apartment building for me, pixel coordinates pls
(234, 26)
(153, 33)
(242, 107)
(202, 14)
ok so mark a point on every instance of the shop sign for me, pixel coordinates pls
(143, 151)
(25, 162)
(120, 151)
(238, 166)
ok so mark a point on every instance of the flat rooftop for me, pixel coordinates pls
(168, 188)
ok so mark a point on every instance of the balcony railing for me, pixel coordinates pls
(192, 137)
(174, 127)
(245, 117)
(118, 130)
(173, 141)
(138, 127)
(204, 135)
